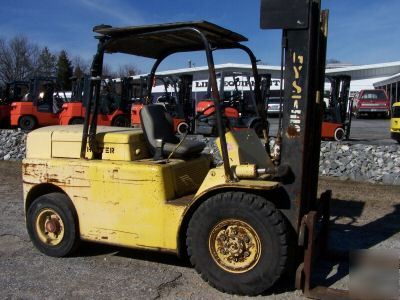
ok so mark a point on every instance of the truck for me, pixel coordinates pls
(372, 103)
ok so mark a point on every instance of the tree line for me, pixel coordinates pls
(21, 59)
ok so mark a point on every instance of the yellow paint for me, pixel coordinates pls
(125, 203)
(235, 246)
(65, 142)
(138, 203)
(395, 121)
(244, 147)
(215, 179)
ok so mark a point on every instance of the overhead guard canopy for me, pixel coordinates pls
(158, 40)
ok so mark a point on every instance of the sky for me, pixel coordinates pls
(360, 31)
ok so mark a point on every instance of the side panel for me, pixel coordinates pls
(328, 129)
(123, 203)
(18, 109)
(70, 111)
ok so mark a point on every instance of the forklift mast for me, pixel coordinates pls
(304, 43)
(339, 98)
(185, 95)
(38, 82)
(79, 85)
(14, 91)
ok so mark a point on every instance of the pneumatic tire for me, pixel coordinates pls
(27, 123)
(121, 121)
(258, 128)
(52, 225)
(339, 134)
(238, 242)
(76, 121)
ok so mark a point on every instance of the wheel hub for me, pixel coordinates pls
(235, 246)
(53, 226)
(49, 227)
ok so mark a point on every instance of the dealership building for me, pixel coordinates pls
(384, 75)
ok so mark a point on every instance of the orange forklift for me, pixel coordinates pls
(336, 122)
(13, 92)
(176, 99)
(40, 107)
(70, 112)
(114, 105)
(240, 107)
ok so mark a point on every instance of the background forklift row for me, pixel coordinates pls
(38, 103)
(242, 224)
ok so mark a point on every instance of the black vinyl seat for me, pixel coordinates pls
(157, 125)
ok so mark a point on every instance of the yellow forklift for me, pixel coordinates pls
(240, 223)
(395, 122)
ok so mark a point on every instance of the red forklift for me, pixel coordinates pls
(336, 124)
(239, 105)
(176, 99)
(114, 105)
(13, 92)
(40, 107)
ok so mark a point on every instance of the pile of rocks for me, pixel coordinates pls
(348, 162)
(12, 144)
(355, 162)
(361, 162)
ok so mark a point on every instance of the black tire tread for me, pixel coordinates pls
(60, 201)
(252, 201)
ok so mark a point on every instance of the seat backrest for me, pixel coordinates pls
(157, 124)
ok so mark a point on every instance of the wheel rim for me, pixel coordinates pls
(339, 134)
(182, 128)
(235, 246)
(49, 227)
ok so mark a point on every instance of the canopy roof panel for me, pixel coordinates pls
(158, 40)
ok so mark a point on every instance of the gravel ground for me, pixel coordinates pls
(365, 216)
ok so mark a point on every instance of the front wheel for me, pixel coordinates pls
(121, 121)
(258, 128)
(76, 121)
(238, 243)
(52, 225)
(27, 123)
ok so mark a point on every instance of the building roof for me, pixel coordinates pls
(365, 67)
(392, 79)
(363, 77)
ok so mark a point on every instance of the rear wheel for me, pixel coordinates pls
(238, 243)
(339, 134)
(182, 128)
(258, 128)
(27, 123)
(52, 225)
(121, 121)
(76, 121)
